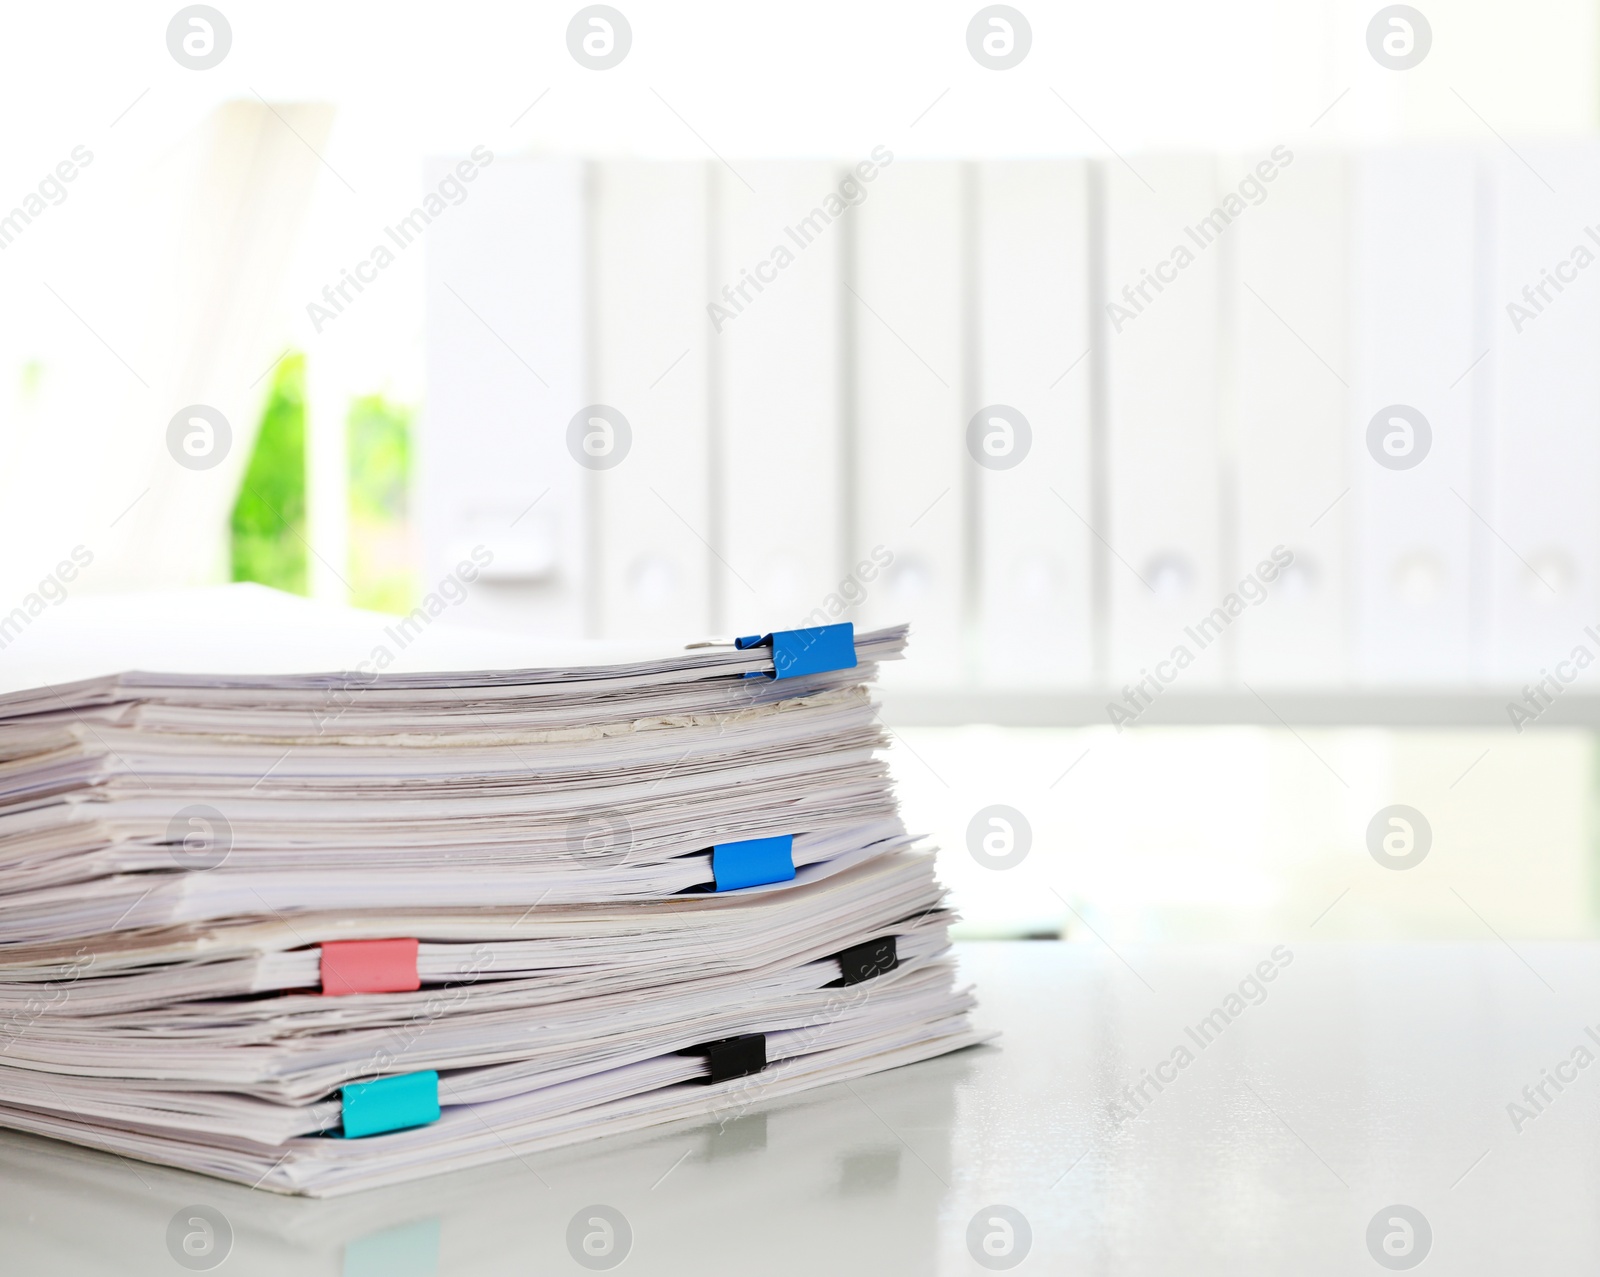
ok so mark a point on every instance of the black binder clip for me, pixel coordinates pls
(732, 1057)
(864, 961)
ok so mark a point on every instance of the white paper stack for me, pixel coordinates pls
(317, 932)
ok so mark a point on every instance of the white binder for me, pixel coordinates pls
(1290, 373)
(1161, 358)
(1415, 301)
(775, 359)
(651, 511)
(506, 359)
(1544, 330)
(1033, 317)
(908, 312)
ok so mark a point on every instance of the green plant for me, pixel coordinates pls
(268, 523)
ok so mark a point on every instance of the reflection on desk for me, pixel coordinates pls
(1157, 1109)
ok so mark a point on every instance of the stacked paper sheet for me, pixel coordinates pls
(318, 932)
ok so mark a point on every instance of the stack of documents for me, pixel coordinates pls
(322, 931)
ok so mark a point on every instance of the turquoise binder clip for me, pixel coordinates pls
(390, 1104)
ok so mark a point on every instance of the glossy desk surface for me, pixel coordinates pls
(1360, 1078)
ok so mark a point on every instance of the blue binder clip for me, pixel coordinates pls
(390, 1104)
(816, 650)
(753, 862)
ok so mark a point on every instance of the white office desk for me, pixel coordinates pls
(1367, 1076)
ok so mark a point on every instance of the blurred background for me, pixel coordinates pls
(1215, 391)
